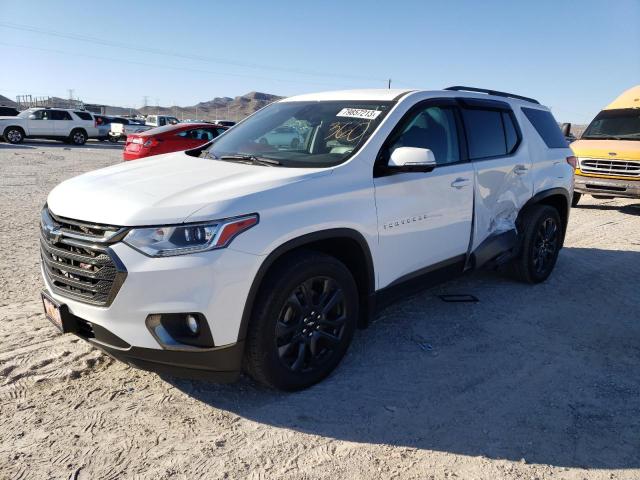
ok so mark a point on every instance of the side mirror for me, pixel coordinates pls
(566, 129)
(32, 116)
(412, 159)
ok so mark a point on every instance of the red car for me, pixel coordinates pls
(170, 138)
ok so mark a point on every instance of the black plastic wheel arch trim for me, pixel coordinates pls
(330, 234)
(557, 191)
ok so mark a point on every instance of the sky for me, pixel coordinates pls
(573, 56)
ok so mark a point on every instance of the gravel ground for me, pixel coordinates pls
(529, 383)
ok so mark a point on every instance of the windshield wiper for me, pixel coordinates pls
(250, 158)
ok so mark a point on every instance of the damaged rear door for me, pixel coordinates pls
(502, 169)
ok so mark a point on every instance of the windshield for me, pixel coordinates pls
(615, 124)
(303, 134)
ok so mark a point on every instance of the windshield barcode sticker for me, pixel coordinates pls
(359, 113)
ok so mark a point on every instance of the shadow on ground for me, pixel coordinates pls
(633, 209)
(548, 373)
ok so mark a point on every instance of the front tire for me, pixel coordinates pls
(78, 137)
(303, 321)
(541, 242)
(14, 135)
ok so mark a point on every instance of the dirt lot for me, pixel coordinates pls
(530, 383)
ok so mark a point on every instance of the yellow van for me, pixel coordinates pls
(609, 151)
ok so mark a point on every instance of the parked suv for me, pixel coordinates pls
(73, 126)
(242, 254)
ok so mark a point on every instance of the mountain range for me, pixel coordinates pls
(221, 108)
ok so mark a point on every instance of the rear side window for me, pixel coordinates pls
(546, 126)
(84, 115)
(485, 133)
(60, 115)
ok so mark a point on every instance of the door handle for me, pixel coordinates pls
(460, 183)
(520, 170)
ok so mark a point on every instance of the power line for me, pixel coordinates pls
(156, 51)
(169, 67)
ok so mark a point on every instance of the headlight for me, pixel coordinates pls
(188, 238)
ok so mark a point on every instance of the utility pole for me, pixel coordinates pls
(389, 84)
(145, 101)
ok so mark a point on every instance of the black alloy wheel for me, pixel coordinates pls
(541, 233)
(302, 321)
(546, 245)
(311, 324)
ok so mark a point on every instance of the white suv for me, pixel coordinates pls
(74, 126)
(246, 255)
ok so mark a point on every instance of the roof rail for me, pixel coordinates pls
(492, 92)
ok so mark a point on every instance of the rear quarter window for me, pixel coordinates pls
(546, 126)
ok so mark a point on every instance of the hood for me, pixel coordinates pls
(167, 189)
(621, 149)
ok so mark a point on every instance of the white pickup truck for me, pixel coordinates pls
(119, 131)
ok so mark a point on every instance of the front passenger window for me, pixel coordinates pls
(433, 128)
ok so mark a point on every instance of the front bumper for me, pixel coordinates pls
(215, 284)
(221, 364)
(607, 186)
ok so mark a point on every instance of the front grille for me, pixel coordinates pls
(77, 260)
(621, 168)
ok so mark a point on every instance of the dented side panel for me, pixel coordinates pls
(502, 186)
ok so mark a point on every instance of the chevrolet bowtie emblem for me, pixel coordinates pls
(613, 154)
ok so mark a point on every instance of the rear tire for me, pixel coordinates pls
(302, 322)
(78, 137)
(14, 135)
(541, 242)
(575, 199)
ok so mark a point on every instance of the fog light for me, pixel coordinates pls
(192, 323)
